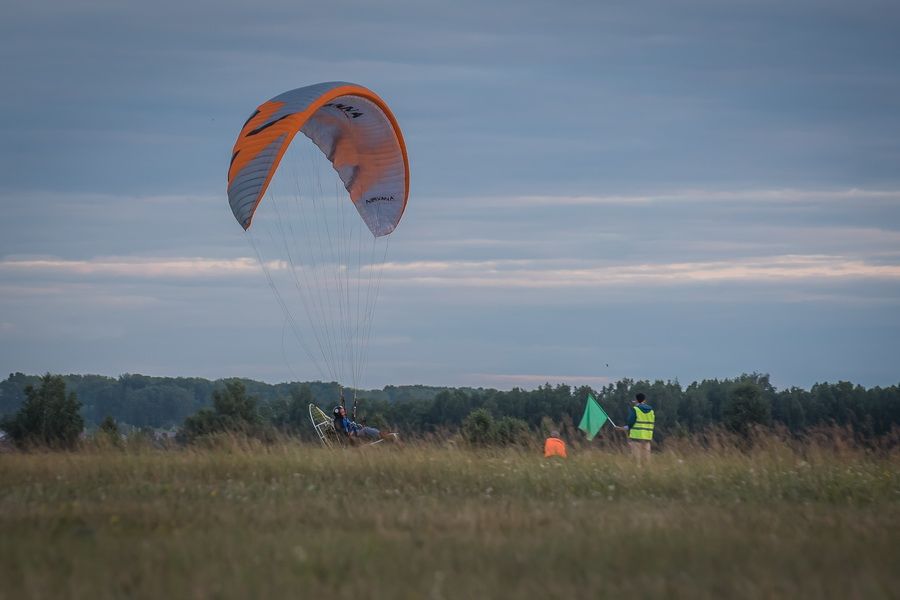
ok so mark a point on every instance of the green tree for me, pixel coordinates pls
(108, 432)
(746, 407)
(479, 428)
(233, 411)
(449, 408)
(511, 431)
(292, 414)
(12, 392)
(109, 426)
(48, 417)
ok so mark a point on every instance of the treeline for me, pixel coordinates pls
(141, 401)
(157, 402)
(729, 403)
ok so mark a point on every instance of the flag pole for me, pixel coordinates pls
(608, 418)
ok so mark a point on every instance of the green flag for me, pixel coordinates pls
(593, 419)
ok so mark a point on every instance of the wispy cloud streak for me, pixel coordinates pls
(690, 196)
(140, 268)
(530, 380)
(506, 273)
(565, 274)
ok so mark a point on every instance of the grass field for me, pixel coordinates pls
(298, 521)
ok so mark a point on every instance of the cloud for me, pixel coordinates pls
(690, 196)
(502, 273)
(134, 268)
(528, 381)
(571, 274)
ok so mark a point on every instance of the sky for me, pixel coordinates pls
(599, 190)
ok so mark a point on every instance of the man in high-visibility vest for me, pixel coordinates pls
(640, 424)
(554, 446)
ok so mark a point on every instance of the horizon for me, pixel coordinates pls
(525, 388)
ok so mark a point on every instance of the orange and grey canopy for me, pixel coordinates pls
(355, 130)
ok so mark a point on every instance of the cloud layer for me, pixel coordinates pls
(679, 190)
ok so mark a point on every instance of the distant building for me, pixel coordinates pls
(161, 435)
(165, 438)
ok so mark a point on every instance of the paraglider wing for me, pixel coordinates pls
(355, 130)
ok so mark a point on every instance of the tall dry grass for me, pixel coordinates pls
(241, 519)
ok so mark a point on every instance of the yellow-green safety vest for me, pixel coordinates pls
(643, 426)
